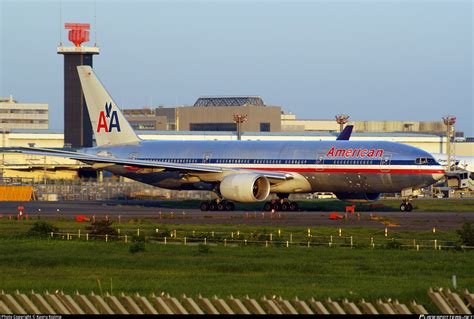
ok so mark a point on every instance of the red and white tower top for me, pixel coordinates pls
(78, 34)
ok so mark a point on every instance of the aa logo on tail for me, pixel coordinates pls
(108, 120)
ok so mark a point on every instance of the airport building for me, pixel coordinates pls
(216, 114)
(209, 114)
(15, 115)
(289, 123)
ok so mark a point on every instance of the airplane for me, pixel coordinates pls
(249, 171)
(463, 162)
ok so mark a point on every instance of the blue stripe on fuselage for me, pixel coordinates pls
(283, 161)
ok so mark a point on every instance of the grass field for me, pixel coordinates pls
(337, 272)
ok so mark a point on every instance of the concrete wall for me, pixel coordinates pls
(255, 116)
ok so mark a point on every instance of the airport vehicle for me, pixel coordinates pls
(248, 171)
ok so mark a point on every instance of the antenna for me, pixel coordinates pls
(60, 22)
(95, 23)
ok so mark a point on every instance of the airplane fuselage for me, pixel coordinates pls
(322, 166)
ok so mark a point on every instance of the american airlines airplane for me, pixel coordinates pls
(249, 171)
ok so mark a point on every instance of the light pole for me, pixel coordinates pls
(4, 132)
(342, 119)
(239, 119)
(449, 121)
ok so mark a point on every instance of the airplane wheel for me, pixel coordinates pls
(277, 207)
(285, 206)
(229, 206)
(221, 206)
(204, 206)
(267, 207)
(409, 207)
(403, 207)
(212, 206)
(294, 207)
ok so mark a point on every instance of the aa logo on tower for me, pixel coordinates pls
(108, 120)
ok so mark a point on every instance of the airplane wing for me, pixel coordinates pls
(185, 168)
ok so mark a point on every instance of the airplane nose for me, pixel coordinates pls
(438, 175)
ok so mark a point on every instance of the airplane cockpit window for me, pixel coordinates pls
(421, 160)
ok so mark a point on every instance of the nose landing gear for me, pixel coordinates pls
(407, 195)
(406, 206)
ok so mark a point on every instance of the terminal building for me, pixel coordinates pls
(216, 114)
(290, 123)
(209, 114)
(15, 115)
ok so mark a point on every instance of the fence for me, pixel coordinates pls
(446, 301)
(94, 190)
(237, 238)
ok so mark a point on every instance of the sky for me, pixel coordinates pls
(407, 60)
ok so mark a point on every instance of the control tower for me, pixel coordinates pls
(77, 126)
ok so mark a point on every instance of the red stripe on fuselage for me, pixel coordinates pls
(348, 170)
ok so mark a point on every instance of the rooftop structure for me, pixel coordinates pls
(15, 115)
(229, 101)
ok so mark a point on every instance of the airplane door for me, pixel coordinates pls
(385, 162)
(206, 159)
(319, 162)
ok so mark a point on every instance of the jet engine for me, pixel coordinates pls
(245, 187)
(358, 197)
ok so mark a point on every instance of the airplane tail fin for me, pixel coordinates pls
(345, 135)
(109, 125)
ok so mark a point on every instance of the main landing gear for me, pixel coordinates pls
(281, 205)
(406, 206)
(217, 205)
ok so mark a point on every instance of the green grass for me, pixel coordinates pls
(319, 271)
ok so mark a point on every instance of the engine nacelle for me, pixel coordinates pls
(245, 187)
(358, 197)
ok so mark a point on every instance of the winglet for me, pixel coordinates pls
(346, 133)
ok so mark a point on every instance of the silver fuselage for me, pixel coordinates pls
(326, 166)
